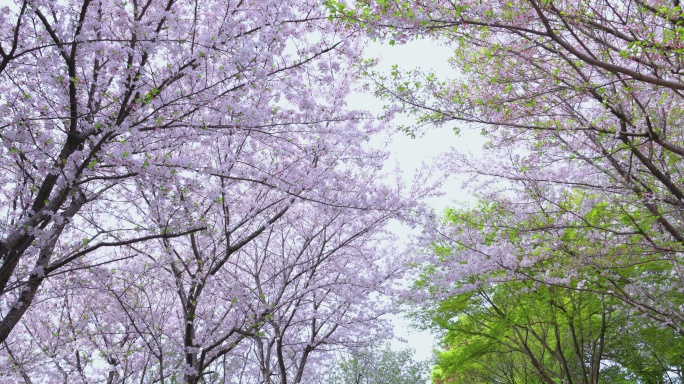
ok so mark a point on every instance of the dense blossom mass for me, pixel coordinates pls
(186, 197)
(184, 194)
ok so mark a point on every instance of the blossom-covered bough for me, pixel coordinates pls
(581, 101)
(182, 181)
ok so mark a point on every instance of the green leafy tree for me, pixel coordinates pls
(517, 328)
(379, 365)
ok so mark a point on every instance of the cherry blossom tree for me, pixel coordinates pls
(580, 100)
(325, 296)
(294, 295)
(150, 151)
